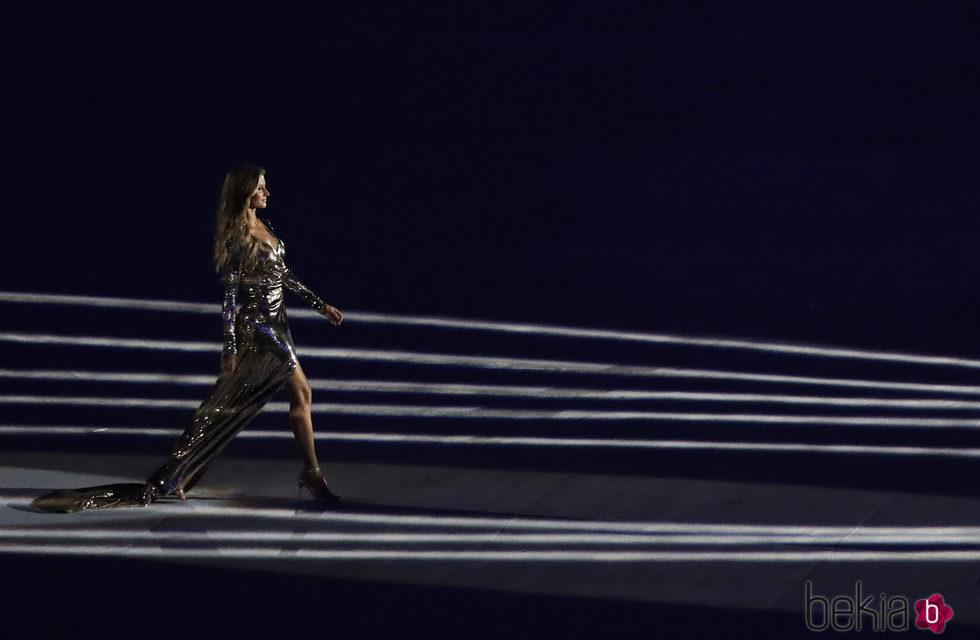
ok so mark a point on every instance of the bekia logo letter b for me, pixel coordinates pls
(932, 614)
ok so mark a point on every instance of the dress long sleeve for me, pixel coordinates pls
(293, 284)
(231, 278)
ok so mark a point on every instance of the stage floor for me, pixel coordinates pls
(469, 551)
(500, 480)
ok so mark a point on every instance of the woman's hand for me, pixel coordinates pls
(332, 314)
(228, 363)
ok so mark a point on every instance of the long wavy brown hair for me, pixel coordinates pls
(232, 240)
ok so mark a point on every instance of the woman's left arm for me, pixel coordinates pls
(293, 284)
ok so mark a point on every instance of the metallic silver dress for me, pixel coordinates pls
(258, 335)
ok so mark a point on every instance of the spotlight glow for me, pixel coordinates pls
(513, 441)
(508, 327)
(423, 388)
(489, 362)
(210, 510)
(414, 411)
(926, 536)
(522, 555)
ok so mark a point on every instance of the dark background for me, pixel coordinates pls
(799, 171)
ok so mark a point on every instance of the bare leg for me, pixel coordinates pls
(301, 416)
(301, 419)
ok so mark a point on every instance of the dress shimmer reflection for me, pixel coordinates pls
(258, 336)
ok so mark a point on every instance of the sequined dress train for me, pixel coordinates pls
(258, 336)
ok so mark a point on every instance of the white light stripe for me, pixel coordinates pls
(306, 555)
(134, 377)
(115, 343)
(521, 441)
(510, 327)
(412, 411)
(488, 362)
(770, 447)
(139, 304)
(192, 508)
(80, 401)
(421, 388)
(968, 535)
(709, 374)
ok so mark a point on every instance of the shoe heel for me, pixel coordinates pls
(316, 485)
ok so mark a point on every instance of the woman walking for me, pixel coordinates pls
(258, 358)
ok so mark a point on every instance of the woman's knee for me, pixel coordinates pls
(302, 398)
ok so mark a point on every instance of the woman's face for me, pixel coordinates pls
(258, 199)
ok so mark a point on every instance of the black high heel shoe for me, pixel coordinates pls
(317, 486)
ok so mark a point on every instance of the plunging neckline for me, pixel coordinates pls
(271, 235)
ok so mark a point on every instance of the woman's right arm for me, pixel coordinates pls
(230, 278)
